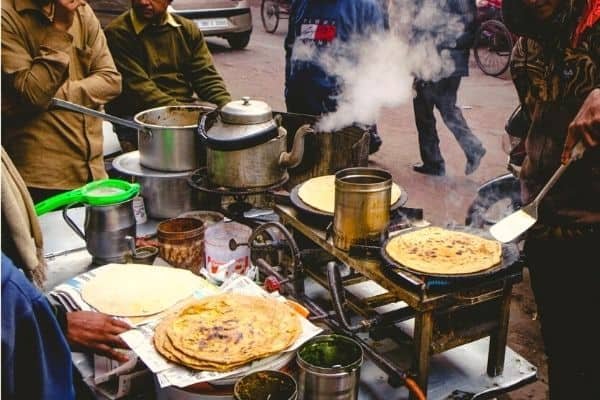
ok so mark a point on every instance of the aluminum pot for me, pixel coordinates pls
(169, 142)
(362, 206)
(329, 368)
(246, 147)
(165, 194)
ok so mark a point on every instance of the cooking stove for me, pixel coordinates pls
(240, 204)
(447, 313)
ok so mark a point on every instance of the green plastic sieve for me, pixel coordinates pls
(98, 193)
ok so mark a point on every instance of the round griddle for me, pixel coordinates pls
(510, 254)
(302, 206)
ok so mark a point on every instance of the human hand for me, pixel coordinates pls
(585, 126)
(64, 13)
(96, 332)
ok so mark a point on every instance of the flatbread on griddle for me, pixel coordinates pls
(436, 250)
(220, 333)
(319, 193)
(130, 290)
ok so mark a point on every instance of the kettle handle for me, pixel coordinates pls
(202, 128)
(70, 222)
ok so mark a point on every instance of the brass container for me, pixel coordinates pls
(362, 207)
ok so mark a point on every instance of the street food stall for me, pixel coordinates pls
(340, 267)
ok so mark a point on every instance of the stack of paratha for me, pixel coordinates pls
(223, 332)
(436, 250)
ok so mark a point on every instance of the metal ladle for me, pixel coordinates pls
(67, 105)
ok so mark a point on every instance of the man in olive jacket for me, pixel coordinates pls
(164, 61)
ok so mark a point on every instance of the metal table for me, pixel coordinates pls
(443, 319)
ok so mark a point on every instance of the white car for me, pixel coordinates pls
(229, 19)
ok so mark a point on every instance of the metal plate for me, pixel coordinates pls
(510, 255)
(129, 164)
(302, 206)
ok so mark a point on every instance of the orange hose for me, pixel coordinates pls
(413, 388)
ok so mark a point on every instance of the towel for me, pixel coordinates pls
(21, 223)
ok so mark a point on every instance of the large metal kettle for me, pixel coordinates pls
(246, 147)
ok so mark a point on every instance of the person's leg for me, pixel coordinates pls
(447, 89)
(564, 278)
(429, 142)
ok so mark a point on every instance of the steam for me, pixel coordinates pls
(378, 69)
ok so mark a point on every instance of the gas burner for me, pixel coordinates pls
(199, 181)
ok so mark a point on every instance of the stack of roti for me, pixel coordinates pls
(435, 250)
(220, 333)
(134, 290)
(319, 193)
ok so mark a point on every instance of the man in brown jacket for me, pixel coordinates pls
(54, 49)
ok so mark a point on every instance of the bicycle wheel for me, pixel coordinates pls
(269, 13)
(492, 47)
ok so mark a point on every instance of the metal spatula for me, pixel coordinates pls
(511, 226)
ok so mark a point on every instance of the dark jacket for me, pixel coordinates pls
(162, 65)
(553, 76)
(309, 89)
(452, 30)
(36, 360)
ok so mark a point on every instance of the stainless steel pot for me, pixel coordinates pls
(108, 231)
(169, 142)
(166, 194)
(166, 135)
(329, 368)
(246, 147)
(362, 206)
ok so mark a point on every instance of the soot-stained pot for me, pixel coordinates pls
(246, 146)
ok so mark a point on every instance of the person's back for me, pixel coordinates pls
(309, 89)
(36, 360)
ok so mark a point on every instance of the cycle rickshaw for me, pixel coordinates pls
(271, 11)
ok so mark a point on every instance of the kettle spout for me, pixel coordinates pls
(293, 158)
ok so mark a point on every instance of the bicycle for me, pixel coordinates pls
(271, 11)
(493, 42)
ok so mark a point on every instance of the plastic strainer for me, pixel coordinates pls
(98, 193)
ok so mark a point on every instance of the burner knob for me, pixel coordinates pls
(272, 284)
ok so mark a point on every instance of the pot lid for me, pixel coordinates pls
(246, 112)
(129, 164)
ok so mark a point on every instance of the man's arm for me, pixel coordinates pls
(290, 39)
(103, 82)
(35, 79)
(206, 81)
(585, 126)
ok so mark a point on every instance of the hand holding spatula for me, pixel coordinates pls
(511, 226)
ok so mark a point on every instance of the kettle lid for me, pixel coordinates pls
(240, 124)
(246, 112)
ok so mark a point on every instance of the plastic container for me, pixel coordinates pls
(181, 243)
(219, 254)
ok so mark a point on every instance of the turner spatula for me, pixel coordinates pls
(511, 226)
